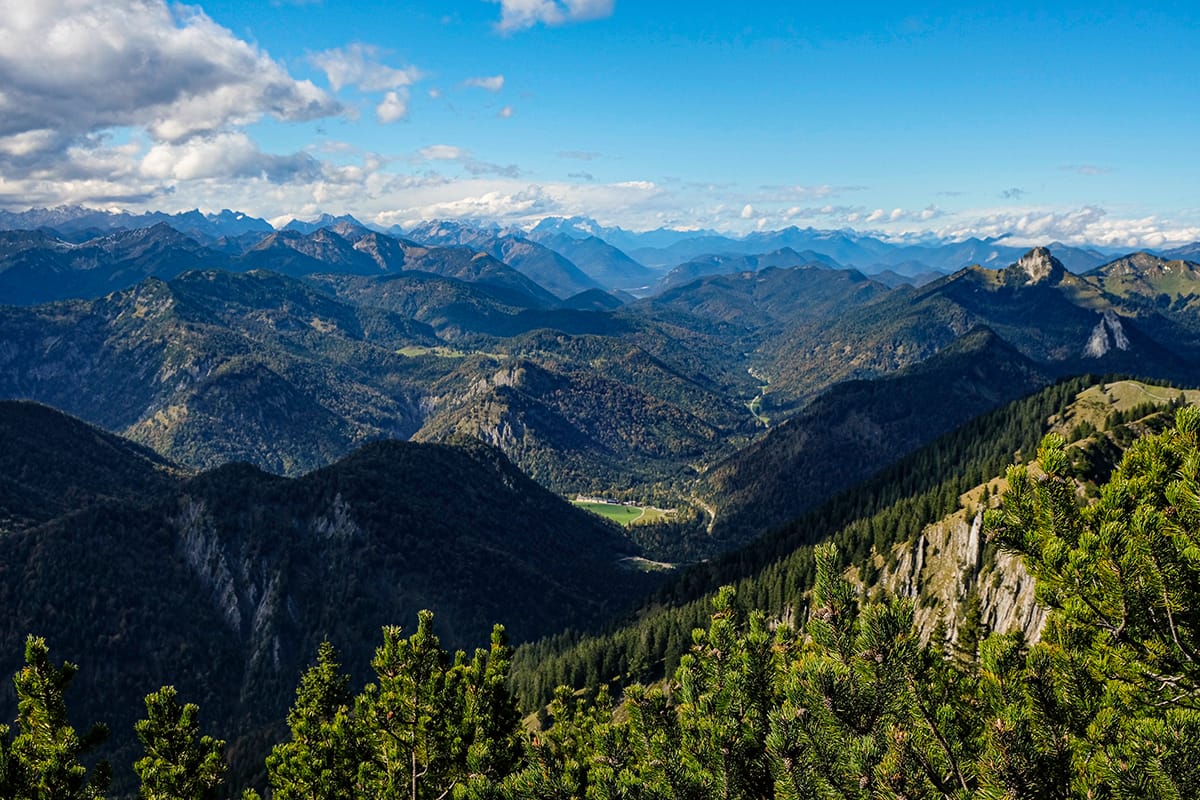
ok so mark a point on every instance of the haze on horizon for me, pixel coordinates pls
(1075, 122)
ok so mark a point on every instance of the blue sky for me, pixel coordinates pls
(1073, 121)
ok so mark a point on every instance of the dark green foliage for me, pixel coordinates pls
(852, 706)
(43, 760)
(226, 583)
(858, 427)
(320, 762)
(429, 726)
(52, 463)
(855, 709)
(775, 571)
(180, 764)
(1113, 685)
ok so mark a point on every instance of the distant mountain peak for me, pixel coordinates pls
(1040, 267)
(322, 222)
(575, 227)
(1143, 264)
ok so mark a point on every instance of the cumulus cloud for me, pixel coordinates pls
(442, 152)
(1084, 225)
(72, 68)
(837, 215)
(393, 107)
(505, 112)
(228, 156)
(499, 204)
(26, 193)
(493, 83)
(747, 211)
(510, 202)
(360, 65)
(518, 15)
(814, 212)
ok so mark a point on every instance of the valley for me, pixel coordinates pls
(309, 435)
(599, 400)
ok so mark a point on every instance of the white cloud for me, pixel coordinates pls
(393, 107)
(493, 83)
(1083, 225)
(505, 113)
(28, 143)
(506, 201)
(747, 211)
(77, 67)
(517, 15)
(227, 156)
(464, 158)
(359, 65)
(442, 152)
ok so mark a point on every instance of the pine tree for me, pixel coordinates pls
(1115, 681)
(321, 760)
(559, 759)
(410, 719)
(725, 696)
(866, 712)
(179, 763)
(44, 758)
(491, 721)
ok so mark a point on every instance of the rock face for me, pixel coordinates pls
(948, 566)
(1107, 335)
(1041, 267)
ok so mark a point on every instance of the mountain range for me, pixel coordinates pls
(569, 255)
(219, 451)
(353, 335)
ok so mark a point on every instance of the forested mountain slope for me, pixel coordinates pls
(858, 427)
(882, 526)
(845, 695)
(225, 583)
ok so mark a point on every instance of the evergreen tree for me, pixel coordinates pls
(321, 760)
(725, 696)
(559, 759)
(491, 720)
(1115, 683)
(179, 763)
(404, 718)
(44, 758)
(861, 715)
